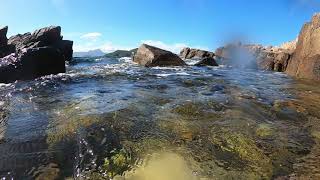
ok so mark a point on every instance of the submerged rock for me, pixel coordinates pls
(150, 56)
(188, 53)
(237, 146)
(305, 62)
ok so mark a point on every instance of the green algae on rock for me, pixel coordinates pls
(264, 130)
(243, 148)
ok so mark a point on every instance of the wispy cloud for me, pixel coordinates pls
(93, 36)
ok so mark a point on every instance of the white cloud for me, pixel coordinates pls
(175, 47)
(93, 36)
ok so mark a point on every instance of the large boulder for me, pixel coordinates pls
(3, 36)
(30, 55)
(150, 56)
(31, 64)
(188, 53)
(47, 35)
(305, 62)
(208, 61)
(40, 38)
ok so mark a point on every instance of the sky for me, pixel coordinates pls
(170, 24)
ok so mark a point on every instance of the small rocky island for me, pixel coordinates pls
(31, 55)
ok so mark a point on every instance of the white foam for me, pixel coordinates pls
(173, 74)
(5, 85)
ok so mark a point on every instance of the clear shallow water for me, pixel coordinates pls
(108, 118)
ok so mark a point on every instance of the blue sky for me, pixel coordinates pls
(170, 24)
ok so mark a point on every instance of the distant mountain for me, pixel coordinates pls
(92, 53)
(121, 53)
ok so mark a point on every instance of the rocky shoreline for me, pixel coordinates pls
(31, 55)
(44, 52)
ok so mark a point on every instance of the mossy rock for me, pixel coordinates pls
(239, 147)
(119, 162)
(69, 128)
(199, 110)
(264, 130)
(49, 172)
(185, 130)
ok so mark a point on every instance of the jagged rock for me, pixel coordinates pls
(27, 56)
(31, 64)
(187, 53)
(208, 61)
(150, 56)
(305, 62)
(42, 37)
(3, 36)
(47, 35)
(19, 40)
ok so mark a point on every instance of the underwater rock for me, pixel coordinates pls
(150, 56)
(264, 130)
(49, 172)
(236, 145)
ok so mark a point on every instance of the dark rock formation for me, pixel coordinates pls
(305, 62)
(32, 63)
(29, 55)
(150, 56)
(187, 53)
(208, 61)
